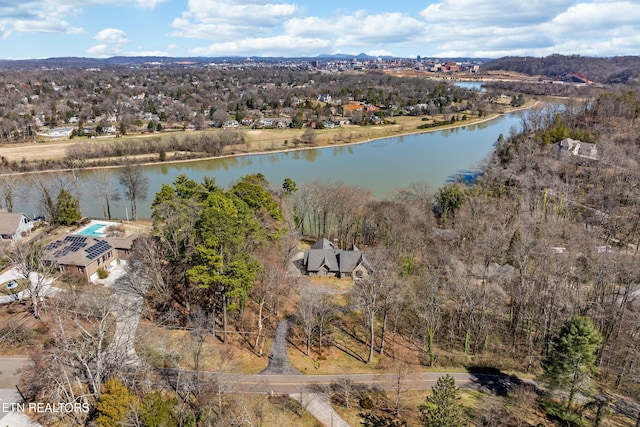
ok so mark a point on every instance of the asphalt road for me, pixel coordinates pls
(288, 384)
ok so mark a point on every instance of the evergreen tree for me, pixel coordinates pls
(157, 411)
(571, 363)
(448, 200)
(289, 186)
(67, 209)
(113, 406)
(442, 408)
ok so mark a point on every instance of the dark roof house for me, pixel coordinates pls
(323, 259)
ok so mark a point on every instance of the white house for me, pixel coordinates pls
(12, 225)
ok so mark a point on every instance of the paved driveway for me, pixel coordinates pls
(13, 274)
(10, 368)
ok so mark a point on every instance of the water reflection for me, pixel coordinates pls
(310, 155)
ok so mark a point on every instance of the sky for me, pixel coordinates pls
(293, 28)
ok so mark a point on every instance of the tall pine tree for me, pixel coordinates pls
(442, 408)
(571, 363)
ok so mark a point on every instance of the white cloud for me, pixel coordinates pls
(52, 16)
(227, 19)
(380, 52)
(266, 46)
(598, 16)
(103, 50)
(149, 4)
(359, 29)
(46, 26)
(110, 42)
(244, 27)
(111, 36)
(490, 12)
(535, 27)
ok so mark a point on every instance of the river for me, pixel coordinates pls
(379, 165)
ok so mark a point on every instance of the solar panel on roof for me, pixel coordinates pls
(97, 249)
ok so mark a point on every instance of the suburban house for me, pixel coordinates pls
(12, 225)
(323, 259)
(84, 255)
(573, 147)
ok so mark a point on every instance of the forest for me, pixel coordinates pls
(614, 70)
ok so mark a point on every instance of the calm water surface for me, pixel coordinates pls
(380, 165)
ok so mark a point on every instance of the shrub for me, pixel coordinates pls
(102, 273)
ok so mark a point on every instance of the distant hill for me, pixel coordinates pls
(619, 69)
(344, 56)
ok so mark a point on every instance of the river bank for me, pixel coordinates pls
(258, 142)
(380, 163)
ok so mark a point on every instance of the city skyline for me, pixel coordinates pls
(290, 28)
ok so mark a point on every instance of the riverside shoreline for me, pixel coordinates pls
(258, 152)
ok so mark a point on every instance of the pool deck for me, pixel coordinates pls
(99, 232)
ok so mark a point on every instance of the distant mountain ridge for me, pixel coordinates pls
(618, 69)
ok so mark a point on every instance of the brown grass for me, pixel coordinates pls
(168, 347)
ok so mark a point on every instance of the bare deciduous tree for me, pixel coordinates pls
(27, 259)
(135, 185)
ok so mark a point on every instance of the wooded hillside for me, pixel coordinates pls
(619, 69)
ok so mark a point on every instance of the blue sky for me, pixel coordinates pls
(404, 28)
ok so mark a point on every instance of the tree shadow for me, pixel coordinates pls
(343, 346)
(344, 349)
(494, 380)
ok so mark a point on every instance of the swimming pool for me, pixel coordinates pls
(92, 230)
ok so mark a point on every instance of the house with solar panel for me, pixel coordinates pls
(324, 259)
(84, 255)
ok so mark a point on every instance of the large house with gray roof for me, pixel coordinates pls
(324, 259)
(85, 255)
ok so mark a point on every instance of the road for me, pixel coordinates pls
(288, 383)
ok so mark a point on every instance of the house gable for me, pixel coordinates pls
(324, 259)
(12, 225)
